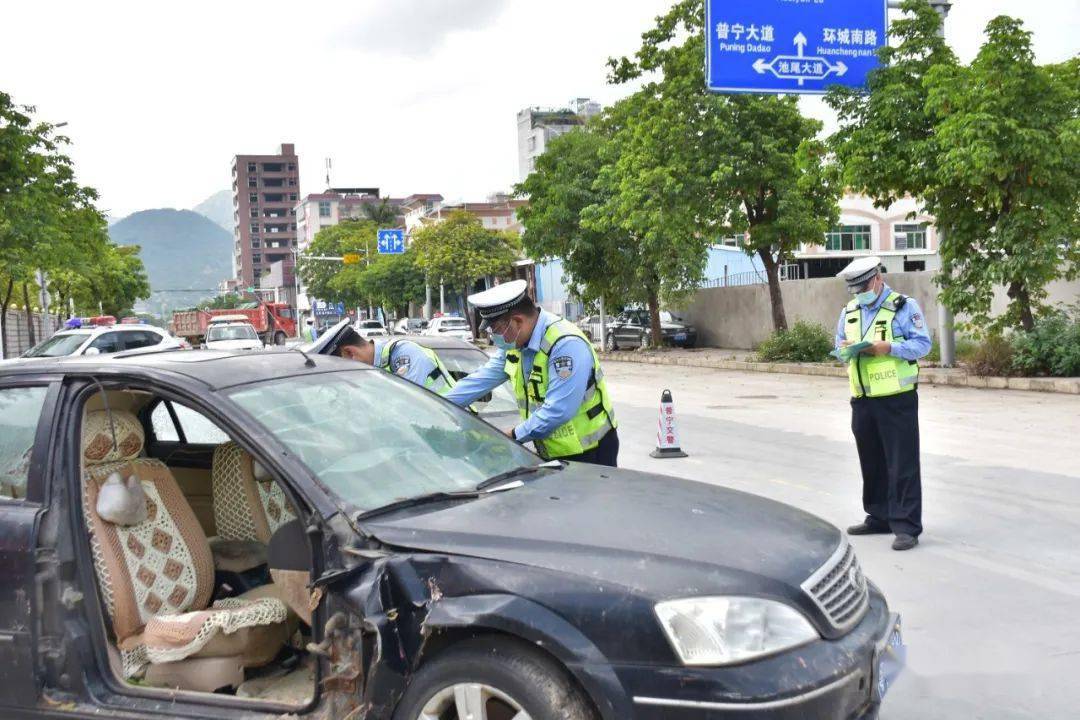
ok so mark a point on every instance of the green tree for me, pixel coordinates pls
(706, 165)
(1007, 194)
(381, 213)
(392, 281)
(459, 251)
(320, 276)
(596, 262)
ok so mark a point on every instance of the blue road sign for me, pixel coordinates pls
(791, 46)
(391, 242)
(321, 308)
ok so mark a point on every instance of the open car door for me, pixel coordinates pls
(327, 343)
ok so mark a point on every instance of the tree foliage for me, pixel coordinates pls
(1008, 190)
(992, 150)
(49, 222)
(459, 251)
(320, 276)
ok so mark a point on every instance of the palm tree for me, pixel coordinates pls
(383, 213)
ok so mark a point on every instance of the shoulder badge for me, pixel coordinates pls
(564, 366)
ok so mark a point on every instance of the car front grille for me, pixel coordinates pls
(839, 588)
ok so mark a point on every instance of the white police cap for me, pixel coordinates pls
(860, 271)
(496, 301)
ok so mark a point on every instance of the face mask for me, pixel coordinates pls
(865, 298)
(502, 342)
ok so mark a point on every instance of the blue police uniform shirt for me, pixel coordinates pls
(407, 360)
(908, 323)
(570, 365)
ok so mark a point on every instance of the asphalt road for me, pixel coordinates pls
(990, 598)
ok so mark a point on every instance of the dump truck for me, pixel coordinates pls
(273, 321)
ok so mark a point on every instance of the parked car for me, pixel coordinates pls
(371, 328)
(632, 329)
(423, 565)
(461, 358)
(449, 326)
(410, 326)
(104, 339)
(232, 332)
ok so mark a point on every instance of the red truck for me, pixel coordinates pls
(273, 321)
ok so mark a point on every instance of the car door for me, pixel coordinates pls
(629, 332)
(26, 414)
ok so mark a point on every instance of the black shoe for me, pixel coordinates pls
(867, 529)
(904, 542)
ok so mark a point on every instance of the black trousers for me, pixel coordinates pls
(606, 453)
(886, 433)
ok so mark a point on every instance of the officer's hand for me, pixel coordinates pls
(880, 347)
(510, 434)
(845, 343)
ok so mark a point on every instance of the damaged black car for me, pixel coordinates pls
(216, 535)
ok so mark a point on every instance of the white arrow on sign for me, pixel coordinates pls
(800, 67)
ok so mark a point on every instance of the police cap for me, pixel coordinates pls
(499, 300)
(860, 271)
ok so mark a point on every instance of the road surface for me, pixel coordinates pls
(990, 598)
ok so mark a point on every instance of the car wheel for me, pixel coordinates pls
(646, 339)
(612, 345)
(279, 338)
(486, 679)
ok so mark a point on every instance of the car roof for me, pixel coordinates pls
(441, 342)
(214, 368)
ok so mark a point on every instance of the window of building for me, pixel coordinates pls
(253, 197)
(273, 197)
(532, 143)
(252, 182)
(848, 237)
(324, 208)
(733, 241)
(254, 212)
(272, 167)
(255, 242)
(909, 236)
(292, 196)
(292, 181)
(256, 258)
(272, 182)
(252, 167)
(292, 166)
(254, 227)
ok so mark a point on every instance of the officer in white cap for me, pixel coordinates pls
(881, 335)
(561, 394)
(398, 356)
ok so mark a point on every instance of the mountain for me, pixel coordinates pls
(219, 208)
(185, 254)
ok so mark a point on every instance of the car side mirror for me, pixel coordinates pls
(92, 351)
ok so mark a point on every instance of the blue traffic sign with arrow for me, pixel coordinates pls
(391, 242)
(784, 46)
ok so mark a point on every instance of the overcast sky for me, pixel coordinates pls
(407, 95)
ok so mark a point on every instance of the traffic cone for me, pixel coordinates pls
(667, 437)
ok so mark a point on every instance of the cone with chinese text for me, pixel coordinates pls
(667, 436)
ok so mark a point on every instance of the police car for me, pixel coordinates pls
(104, 338)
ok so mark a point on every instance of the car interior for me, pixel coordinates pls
(201, 563)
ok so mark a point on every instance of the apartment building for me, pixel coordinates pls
(265, 191)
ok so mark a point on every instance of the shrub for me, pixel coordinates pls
(802, 342)
(1052, 347)
(964, 350)
(993, 356)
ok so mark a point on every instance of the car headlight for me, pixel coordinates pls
(728, 630)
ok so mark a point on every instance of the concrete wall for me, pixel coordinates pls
(741, 317)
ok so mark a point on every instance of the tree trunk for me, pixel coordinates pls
(29, 315)
(3, 316)
(1019, 293)
(655, 332)
(772, 272)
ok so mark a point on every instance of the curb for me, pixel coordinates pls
(928, 376)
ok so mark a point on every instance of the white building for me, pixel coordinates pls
(537, 126)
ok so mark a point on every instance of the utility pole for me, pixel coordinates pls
(43, 300)
(946, 329)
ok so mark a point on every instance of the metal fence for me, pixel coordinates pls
(18, 336)
(752, 277)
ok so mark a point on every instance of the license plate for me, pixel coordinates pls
(680, 336)
(890, 659)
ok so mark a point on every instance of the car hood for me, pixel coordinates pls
(662, 536)
(674, 326)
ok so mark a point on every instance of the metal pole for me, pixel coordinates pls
(427, 300)
(442, 298)
(946, 330)
(43, 298)
(603, 326)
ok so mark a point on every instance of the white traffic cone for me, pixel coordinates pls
(667, 437)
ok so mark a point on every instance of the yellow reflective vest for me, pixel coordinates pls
(878, 375)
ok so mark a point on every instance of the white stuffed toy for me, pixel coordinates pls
(122, 503)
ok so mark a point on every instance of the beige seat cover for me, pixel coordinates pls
(245, 508)
(157, 576)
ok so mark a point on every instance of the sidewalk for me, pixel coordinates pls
(721, 359)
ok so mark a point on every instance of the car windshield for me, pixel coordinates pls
(231, 332)
(58, 345)
(373, 440)
(462, 362)
(454, 323)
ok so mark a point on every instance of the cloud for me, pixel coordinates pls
(417, 27)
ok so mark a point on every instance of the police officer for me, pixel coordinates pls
(405, 358)
(309, 333)
(561, 394)
(881, 335)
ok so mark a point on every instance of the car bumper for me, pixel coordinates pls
(834, 680)
(688, 341)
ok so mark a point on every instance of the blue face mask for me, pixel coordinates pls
(865, 298)
(502, 343)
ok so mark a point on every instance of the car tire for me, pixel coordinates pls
(612, 345)
(279, 338)
(505, 676)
